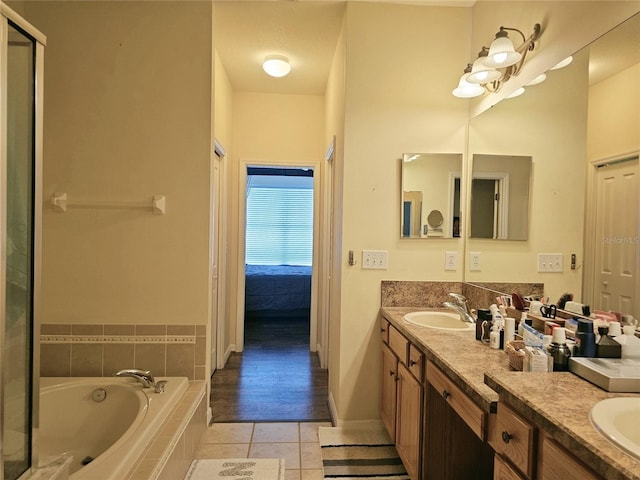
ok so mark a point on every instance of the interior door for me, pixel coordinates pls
(483, 208)
(617, 237)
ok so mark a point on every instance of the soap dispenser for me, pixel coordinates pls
(607, 347)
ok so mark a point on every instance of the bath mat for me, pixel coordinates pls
(359, 454)
(237, 469)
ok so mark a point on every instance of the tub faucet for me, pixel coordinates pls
(144, 377)
(460, 305)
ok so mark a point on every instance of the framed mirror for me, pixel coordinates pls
(500, 197)
(430, 195)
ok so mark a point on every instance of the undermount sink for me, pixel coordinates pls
(439, 320)
(618, 419)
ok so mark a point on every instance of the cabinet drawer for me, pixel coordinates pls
(472, 415)
(503, 471)
(514, 438)
(384, 329)
(399, 344)
(556, 464)
(416, 362)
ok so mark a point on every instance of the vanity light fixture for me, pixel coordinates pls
(276, 65)
(563, 63)
(497, 64)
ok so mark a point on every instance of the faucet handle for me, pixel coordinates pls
(159, 386)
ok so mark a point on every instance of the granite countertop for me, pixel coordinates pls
(557, 402)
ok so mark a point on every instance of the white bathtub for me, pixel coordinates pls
(109, 435)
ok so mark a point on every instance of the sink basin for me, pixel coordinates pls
(618, 419)
(439, 321)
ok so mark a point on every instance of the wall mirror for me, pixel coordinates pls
(430, 195)
(555, 124)
(500, 197)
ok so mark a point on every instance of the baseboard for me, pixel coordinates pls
(227, 353)
(374, 424)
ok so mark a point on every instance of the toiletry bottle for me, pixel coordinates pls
(629, 342)
(559, 350)
(509, 329)
(585, 339)
(494, 338)
(615, 329)
(607, 347)
(523, 321)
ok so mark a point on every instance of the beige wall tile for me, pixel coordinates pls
(151, 329)
(151, 356)
(180, 360)
(55, 359)
(119, 329)
(86, 360)
(117, 356)
(55, 329)
(181, 329)
(87, 329)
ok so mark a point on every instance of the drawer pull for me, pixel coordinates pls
(412, 363)
(391, 373)
(445, 395)
(506, 437)
(382, 330)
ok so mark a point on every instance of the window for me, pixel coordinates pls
(279, 217)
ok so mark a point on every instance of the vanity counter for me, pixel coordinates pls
(559, 403)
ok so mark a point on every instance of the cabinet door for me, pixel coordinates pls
(408, 421)
(557, 464)
(503, 471)
(388, 399)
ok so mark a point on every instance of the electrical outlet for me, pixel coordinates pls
(474, 262)
(375, 259)
(550, 262)
(451, 261)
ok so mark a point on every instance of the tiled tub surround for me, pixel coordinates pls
(92, 350)
(169, 454)
(557, 402)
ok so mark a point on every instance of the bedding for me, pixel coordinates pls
(277, 287)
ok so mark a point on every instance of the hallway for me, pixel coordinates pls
(275, 379)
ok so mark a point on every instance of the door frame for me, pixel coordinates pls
(242, 226)
(590, 235)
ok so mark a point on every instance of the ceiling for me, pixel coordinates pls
(306, 31)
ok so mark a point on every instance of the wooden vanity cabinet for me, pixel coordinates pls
(401, 405)
(555, 463)
(523, 452)
(455, 446)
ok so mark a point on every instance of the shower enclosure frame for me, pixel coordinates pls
(8, 18)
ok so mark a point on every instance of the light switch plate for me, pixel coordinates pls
(550, 262)
(474, 262)
(375, 259)
(451, 261)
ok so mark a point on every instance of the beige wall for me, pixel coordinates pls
(394, 103)
(268, 129)
(614, 119)
(127, 116)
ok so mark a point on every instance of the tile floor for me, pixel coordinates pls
(296, 442)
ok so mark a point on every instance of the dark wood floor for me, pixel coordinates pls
(275, 379)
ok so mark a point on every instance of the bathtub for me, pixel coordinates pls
(103, 423)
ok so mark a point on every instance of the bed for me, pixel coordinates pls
(277, 288)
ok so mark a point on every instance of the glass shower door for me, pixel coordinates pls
(17, 366)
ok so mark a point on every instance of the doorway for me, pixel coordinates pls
(275, 373)
(615, 238)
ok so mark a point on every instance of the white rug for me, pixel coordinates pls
(237, 469)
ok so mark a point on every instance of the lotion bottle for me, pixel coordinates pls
(559, 350)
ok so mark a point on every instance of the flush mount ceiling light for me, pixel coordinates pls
(498, 63)
(276, 65)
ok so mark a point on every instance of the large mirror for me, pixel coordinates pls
(430, 195)
(500, 197)
(580, 122)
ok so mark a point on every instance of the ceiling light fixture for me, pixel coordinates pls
(276, 65)
(498, 63)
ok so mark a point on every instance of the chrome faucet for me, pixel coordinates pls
(144, 377)
(460, 305)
